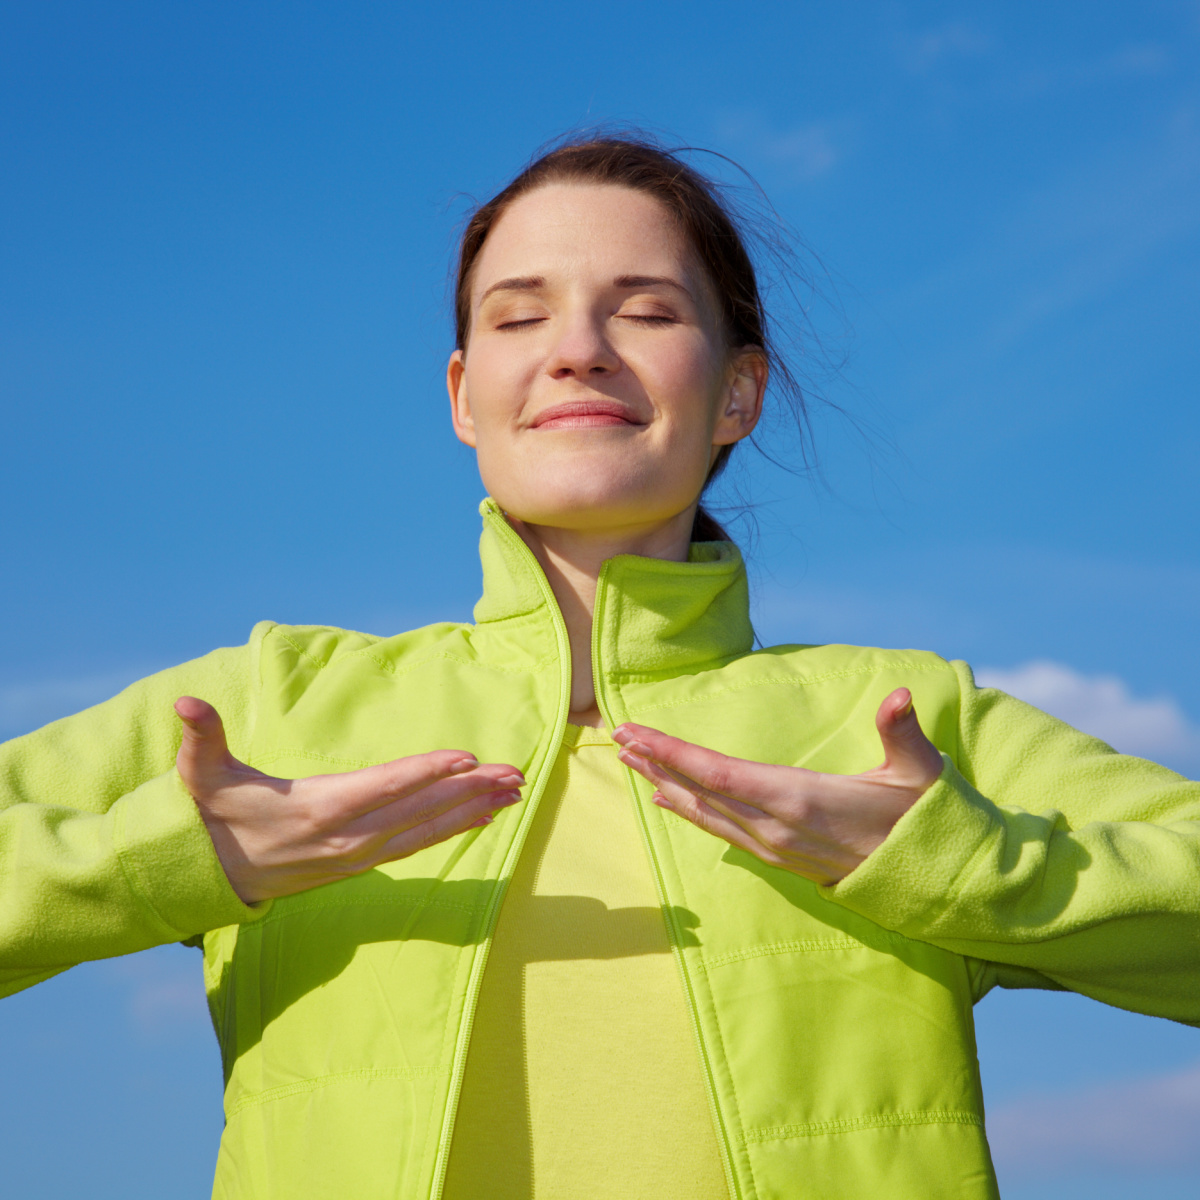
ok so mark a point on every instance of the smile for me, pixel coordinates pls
(586, 414)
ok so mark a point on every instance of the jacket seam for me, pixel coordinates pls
(737, 1102)
(436, 1114)
(855, 1124)
(300, 650)
(514, 616)
(934, 911)
(257, 682)
(699, 1024)
(133, 881)
(735, 1098)
(389, 668)
(791, 681)
(813, 946)
(286, 752)
(311, 1085)
(370, 902)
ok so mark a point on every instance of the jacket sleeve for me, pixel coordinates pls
(102, 849)
(1057, 861)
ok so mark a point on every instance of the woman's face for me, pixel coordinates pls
(597, 386)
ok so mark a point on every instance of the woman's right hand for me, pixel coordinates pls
(275, 837)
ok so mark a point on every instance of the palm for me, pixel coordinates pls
(817, 825)
(275, 837)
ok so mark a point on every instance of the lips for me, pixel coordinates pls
(586, 414)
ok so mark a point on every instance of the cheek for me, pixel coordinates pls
(494, 384)
(685, 382)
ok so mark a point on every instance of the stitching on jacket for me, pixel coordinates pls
(390, 668)
(736, 1101)
(854, 1124)
(371, 902)
(965, 877)
(788, 682)
(537, 665)
(716, 1098)
(271, 756)
(526, 615)
(320, 1081)
(299, 649)
(132, 879)
(963, 881)
(806, 947)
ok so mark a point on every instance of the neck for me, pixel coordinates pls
(572, 560)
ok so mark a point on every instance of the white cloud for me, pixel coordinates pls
(956, 39)
(1134, 1124)
(1101, 705)
(809, 148)
(1135, 61)
(808, 151)
(163, 990)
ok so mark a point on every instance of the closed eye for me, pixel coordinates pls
(646, 319)
(523, 323)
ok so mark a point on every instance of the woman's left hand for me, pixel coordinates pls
(817, 825)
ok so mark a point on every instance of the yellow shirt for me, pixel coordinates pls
(583, 1081)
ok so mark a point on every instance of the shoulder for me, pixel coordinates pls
(835, 660)
(835, 680)
(292, 648)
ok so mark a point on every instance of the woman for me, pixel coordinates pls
(740, 965)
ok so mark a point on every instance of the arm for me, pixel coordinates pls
(121, 829)
(1042, 849)
(102, 849)
(1031, 847)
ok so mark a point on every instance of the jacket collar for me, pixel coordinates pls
(651, 615)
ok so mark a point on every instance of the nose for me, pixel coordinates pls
(582, 349)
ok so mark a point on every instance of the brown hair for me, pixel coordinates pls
(707, 221)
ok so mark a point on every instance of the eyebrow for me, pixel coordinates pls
(641, 281)
(518, 283)
(534, 283)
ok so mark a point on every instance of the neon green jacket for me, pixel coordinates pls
(833, 1024)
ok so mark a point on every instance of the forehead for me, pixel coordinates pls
(567, 230)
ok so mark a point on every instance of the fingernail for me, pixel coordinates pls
(903, 712)
(621, 734)
(463, 765)
(504, 799)
(481, 822)
(637, 748)
(661, 800)
(511, 781)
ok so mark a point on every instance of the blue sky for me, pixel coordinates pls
(223, 327)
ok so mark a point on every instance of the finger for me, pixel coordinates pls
(436, 799)
(908, 754)
(721, 777)
(371, 788)
(204, 750)
(684, 803)
(758, 825)
(473, 813)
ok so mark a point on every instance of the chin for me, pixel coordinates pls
(598, 495)
(591, 509)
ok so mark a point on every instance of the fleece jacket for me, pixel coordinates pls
(832, 1024)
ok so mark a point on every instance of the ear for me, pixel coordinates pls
(460, 408)
(744, 390)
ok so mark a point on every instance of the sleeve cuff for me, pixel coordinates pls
(914, 874)
(170, 862)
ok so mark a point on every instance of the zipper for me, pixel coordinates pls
(674, 933)
(475, 981)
